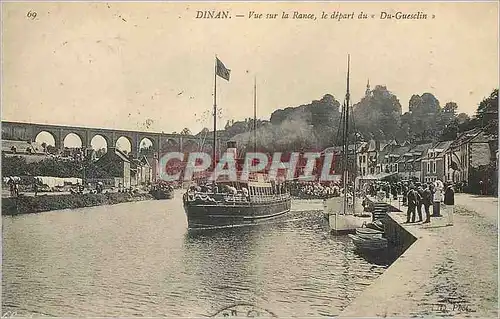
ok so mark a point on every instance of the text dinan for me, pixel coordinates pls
(212, 14)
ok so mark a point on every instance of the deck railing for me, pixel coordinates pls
(238, 198)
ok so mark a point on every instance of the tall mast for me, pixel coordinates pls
(255, 114)
(346, 136)
(214, 148)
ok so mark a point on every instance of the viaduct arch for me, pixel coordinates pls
(29, 132)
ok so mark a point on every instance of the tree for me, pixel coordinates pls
(204, 131)
(378, 115)
(186, 131)
(14, 165)
(51, 149)
(426, 120)
(44, 145)
(320, 118)
(451, 131)
(100, 152)
(487, 113)
(463, 118)
(450, 108)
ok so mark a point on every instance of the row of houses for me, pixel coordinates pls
(457, 161)
(127, 171)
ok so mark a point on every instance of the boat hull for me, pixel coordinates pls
(370, 244)
(228, 215)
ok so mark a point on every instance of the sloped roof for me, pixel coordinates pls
(442, 145)
(116, 153)
(376, 176)
(421, 147)
(467, 136)
(338, 149)
(142, 161)
(121, 155)
(400, 150)
(438, 146)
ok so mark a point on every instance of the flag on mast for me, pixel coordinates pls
(222, 71)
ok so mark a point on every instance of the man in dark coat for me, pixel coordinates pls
(405, 195)
(420, 192)
(394, 190)
(413, 199)
(449, 201)
(427, 202)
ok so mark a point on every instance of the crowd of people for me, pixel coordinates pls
(417, 197)
(315, 190)
(13, 183)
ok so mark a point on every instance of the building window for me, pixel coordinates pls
(428, 167)
(434, 167)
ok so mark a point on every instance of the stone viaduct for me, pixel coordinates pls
(160, 141)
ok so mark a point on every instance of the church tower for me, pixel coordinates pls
(367, 92)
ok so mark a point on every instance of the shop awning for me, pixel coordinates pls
(376, 177)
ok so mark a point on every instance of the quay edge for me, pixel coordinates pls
(438, 274)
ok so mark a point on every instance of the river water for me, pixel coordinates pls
(139, 258)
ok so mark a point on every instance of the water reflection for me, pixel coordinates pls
(140, 259)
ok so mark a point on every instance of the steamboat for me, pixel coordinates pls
(235, 203)
(227, 204)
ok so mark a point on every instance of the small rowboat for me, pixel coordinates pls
(376, 225)
(368, 243)
(369, 233)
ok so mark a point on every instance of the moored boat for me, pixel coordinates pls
(376, 225)
(370, 244)
(365, 232)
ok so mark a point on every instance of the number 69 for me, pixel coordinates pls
(31, 14)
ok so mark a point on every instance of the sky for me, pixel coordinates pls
(150, 66)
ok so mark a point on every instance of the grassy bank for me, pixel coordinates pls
(43, 203)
